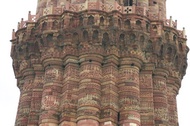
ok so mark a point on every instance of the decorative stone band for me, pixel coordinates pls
(88, 122)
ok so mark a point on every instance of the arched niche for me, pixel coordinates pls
(122, 37)
(85, 35)
(105, 40)
(71, 22)
(161, 50)
(80, 21)
(142, 39)
(95, 35)
(90, 20)
(169, 53)
(119, 23)
(55, 24)
(49, 37)
(169, 50)
(102, 20)
(127, 23)
(138, 23)
(147, 26)
(121, 43)
(167, 36)
(132, 37)
(174, 38)
(33, 31)
(180, 47)
(149, 46)
(44, 25)
(60, 40)
(111, 21)
(176, 61)
(76, 38)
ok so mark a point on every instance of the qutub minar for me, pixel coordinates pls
(98, 63)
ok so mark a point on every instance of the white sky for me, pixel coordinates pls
(12, 11)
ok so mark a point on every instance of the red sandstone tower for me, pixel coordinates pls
(98, 63)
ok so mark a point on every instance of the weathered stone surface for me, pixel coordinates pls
(98, 63)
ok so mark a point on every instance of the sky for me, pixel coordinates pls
(12, 11)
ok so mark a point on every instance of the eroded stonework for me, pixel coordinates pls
(98, 63)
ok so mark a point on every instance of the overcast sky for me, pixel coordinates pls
(11, 11)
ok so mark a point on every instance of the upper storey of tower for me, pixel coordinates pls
(154, 9)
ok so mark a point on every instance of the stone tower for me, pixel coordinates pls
(98, 63)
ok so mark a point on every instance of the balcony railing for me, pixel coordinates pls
(106, 7)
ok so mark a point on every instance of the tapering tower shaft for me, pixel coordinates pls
(98, 63)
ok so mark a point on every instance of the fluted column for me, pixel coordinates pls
(51, 92)
(172, 92)
(36, 95)
(175, 93)
(89, 97)
(146, 96)
(129, 92)
(160, 97)
(69, 96)
(109, 98)
(25, 86)
(19, 113)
